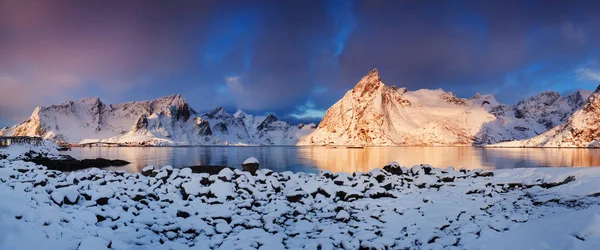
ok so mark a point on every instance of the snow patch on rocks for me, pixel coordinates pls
(422, 207)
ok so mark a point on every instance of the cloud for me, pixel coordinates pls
(586, 74)
(570, 31)
(271, 55)
(308, 111)
(234, 84)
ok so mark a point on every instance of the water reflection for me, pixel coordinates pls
(313, 159)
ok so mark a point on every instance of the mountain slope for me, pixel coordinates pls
(582, 129)
(164, 121)
(375, 114)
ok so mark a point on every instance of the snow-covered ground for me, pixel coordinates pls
(419, 208)
(49, 149)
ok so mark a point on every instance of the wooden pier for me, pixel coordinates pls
(6, 141)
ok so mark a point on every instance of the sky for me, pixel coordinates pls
(292, 58)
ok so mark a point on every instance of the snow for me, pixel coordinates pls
(569, 230)
(417, 208)
(579, 130)
(93, 243)
(250, 160)
(375, 114)
(164, 121)
(18, 151)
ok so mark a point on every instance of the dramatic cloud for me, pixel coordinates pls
(308, 111)
(273, 56)
(588, 74)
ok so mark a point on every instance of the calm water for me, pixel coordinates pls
(313, 159)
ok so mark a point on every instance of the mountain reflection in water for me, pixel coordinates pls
(313, 159)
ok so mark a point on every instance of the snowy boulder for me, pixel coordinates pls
(251, 165)
(223, 228)
(425, 180)
(226, 174)
(93, 243)
(66, 195)
(57, 197)
(342, 216)
(147, 171)
(185, 172)
(194, 188)
(394, 168)
(222, 190)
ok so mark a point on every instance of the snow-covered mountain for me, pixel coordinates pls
(582, 129)
(164, 121)
(375, 114)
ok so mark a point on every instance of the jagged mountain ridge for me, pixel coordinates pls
(375, 114)
(582, 129)
(164, 121)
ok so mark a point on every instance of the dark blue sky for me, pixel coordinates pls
(294, 58)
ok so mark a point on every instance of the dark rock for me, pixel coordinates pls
(250, 167)
(322, 192)
(203, 127)
(380, 178)
(393, 169)
(484, 174)
(382, 195)
(294, 198)
(102, 201)
(70, 164)
(448, 179)
(267, 122)
(137, 197)
(148, 171)
(183, 214)
(100, 218)
(427, 170)
(221, 127)
(570, 178)
(70, 202)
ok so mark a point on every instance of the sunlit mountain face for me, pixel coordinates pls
(291, 58)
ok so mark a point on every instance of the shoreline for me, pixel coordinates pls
(336, 146)
(419, 207)
(394, 207)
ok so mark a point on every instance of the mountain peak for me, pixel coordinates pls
(369, 82)
(172, 99)
(374, 71)
(217, 113)
(90, 100)
(239, 114)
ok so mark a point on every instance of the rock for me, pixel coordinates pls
(484, 174)
(147, 171)
(394, 168)
(90, 243)
(183, 214)
(342, 215)
(70, 164)
(251, 165)
(223, 228)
